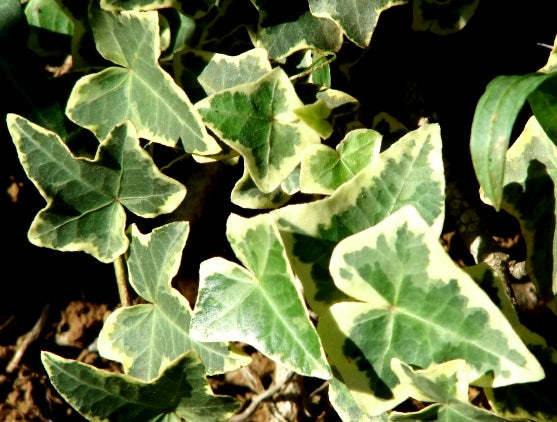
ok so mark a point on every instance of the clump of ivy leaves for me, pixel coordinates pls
(332, 266)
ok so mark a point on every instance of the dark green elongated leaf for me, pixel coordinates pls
(357, 18)
(86, 199)
(409, 172)
(544, 105)
(181, 391)
(493, 122)
(146, 337)
(10, 15)
(259, 305)
(140, 91)
(50, 15)
(408, 289)
(529, 194)
(258, 120)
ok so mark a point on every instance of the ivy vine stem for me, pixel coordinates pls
(122, 281)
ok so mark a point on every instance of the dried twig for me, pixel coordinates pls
(29, 338)
(257, 400)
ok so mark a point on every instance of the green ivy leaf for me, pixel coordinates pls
(181, 391)
(357, 18)
(493, 122)
(245, 194)
(50, 15)
(409, 172)
(287, 28)
(259, 305)
(146, 337)
(258, 121)
(544, 105)
(193, 8)
(10, 15)
(140, 91)
(324, 169)
(442, 18)
(86, 199)
(214, 72)
(347, 407)
(423, 310)
(529, 194)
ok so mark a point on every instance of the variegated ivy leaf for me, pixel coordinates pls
(86, 198)
(194, 9)
(147, 337)
(551, 65)
(140, 90)
(408, 173)
(49, 15)
(446, 385)
(422, 308)
(258, 121)
(347, 407)
(288, 26)
(357, 18)
(529, 194)
(442, 18)
(324, 169)
(207, 73)
(180, 393)
(245, 194)
(260, 304)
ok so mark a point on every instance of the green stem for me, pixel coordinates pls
(122, 281)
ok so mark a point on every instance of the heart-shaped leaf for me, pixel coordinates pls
(408, 173)
(181, 391)
(421, 308)
(258, 121)
(86, 199)
(146, 337)
(325, 169)
(259, 305)
(140, 90)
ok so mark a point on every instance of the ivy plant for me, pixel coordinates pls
(338, 273)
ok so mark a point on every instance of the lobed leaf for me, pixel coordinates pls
(181, 391)
(325, 169)
(421, 308)
(287, 28)
(260, 304)
(86, 199)
(356, 18)
(147, 337)
(493, 122)
(140, 90)
(409, 172)
(258, 120)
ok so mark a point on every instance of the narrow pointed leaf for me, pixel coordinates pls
(260, 304)
(325, 169)
(409, 290)
(180, 392)
(140, 90)
(529, 195)
(86, 199)
(408, 173)
(258, 121)
(146, 337)
(357, 18)
(493, 122)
